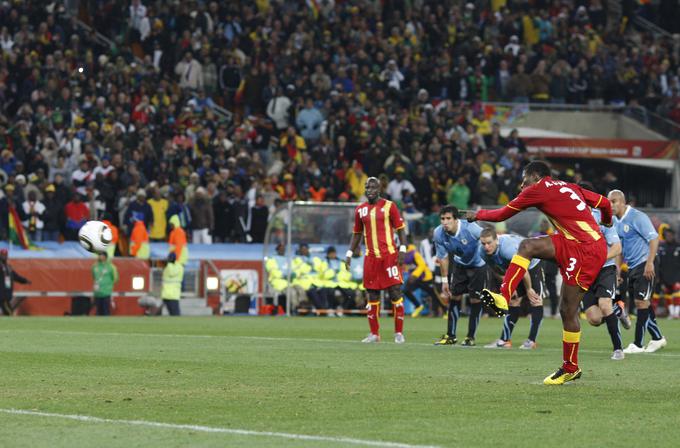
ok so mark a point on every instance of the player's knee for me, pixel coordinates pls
(567, 310)
(594, 318)
(606, 308)
(395, 293)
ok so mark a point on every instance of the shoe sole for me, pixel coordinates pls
(487, 300)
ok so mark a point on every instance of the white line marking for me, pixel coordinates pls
(287, 339)
(213, 429)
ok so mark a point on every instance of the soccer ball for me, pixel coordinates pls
(95, 236)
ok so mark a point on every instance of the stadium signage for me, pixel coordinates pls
(602, 148)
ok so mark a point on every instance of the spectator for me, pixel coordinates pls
(540, 81)
(224, 217)
(487, 190)
(177, 240)
(105, 277)
(34, 211)
(391, 76)
(171, 290)
(293, 145)
(76, 214)
(82, 176)
(139, 241)
(180, 209)
(577, 87)
(423, 188)
(159, 208)
(53, 215)
(397, 185)
(356, 180)
(278, 110)
(309, 122)
(139, 210)
(459, 194)
(317, 192)
(190, 72)
(558, 85)
(203, 221)
(258, 219)
(137, 14)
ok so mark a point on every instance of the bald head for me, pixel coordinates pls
(618, 201)
(617, 194)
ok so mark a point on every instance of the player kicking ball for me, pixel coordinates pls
(499, 250)
(377, 220)
(579, 249)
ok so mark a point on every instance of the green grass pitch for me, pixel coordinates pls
(311, 377)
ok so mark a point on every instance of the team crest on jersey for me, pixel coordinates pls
(626, 227)
(464, 241)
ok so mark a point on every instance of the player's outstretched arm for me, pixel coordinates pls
(500, 214)
(532, 196)
(600, 202)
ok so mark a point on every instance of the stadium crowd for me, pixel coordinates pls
(323, 93)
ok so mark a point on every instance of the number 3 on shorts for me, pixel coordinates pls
(393, 272)
(572, 264)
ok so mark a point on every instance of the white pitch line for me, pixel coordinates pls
(288, 339)
(213, 429)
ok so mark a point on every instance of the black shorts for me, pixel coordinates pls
(537, 281)
(639, 288)
(464, 279)
(604, 286)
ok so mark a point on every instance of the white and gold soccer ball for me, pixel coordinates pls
(95, 236)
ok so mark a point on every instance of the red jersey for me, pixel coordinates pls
(565, 204)
(378, 222)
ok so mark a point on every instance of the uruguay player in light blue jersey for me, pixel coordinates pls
(640, 242)
(463, 270)
(598, 302)
(499, 250)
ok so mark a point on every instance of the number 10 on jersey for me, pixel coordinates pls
(393, 272)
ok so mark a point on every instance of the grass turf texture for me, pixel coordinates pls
(310, 376)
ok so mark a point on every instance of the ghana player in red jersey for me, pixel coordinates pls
(377, 220)
(579, 248)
